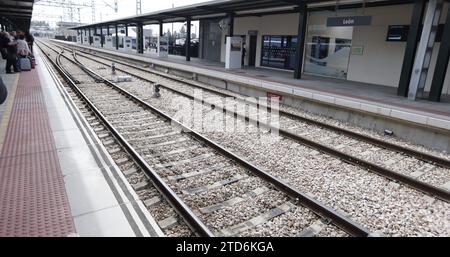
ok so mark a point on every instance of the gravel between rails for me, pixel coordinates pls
(252, 207)
(368, 198)
(298, 110)
(398, 162)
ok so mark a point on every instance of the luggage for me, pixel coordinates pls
(33, 62)
(3, 91)
(24, 64)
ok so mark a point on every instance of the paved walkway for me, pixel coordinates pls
(32, 195)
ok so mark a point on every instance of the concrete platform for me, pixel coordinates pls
(57, 179)
(370, 106)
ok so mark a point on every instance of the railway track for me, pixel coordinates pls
(215, 191)
(295, 173)
(417, 169)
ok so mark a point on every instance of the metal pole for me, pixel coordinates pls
(161, 32)
(140, 38)
(117, 37)
(442, 63)
(126, 30)
(231, 25)
(101, 36)
(90, 41)
(302, 19)
(411, 47)
(188, 39)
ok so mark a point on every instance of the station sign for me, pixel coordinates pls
(349, 21)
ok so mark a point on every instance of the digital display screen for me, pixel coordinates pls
(398, 33)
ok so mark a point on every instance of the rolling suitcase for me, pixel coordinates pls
(33, 62)
(24, 64)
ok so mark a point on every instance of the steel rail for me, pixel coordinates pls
(384, 172)
(303, 199)
(377, 142)
(185, 212)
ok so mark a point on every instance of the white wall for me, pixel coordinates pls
(381, 61)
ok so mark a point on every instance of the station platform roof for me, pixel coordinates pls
(17, 13)
(237, 8)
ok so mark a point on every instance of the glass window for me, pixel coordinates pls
(328, 51)
(279, 52)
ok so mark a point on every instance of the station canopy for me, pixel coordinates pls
(17, 13)
(237, 8)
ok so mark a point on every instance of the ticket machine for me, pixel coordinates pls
(127, 44)
(108, 42)
(233, 53)
(96, 41)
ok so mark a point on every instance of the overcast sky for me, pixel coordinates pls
(103, 12)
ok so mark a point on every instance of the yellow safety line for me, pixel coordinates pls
(6, 115)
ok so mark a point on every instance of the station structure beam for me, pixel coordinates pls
(441, 63)
(188, 39)
(90, 39)
(101, 36)
(107, 30)
(411, 47)
(302, 20)
(161, 30)
(231, 25)
(140, 38)
(126, 30)
(117, 36)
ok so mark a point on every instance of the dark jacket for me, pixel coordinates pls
(12, 49)
(3, 91)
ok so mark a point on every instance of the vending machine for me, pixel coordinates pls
(108, 42)
(233, 53)
(127, 44)
(96, 41)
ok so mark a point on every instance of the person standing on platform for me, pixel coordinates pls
(30, 40)
(22, 46)
(11, 56)
(3, 38)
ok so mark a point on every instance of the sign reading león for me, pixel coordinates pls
(349, 21)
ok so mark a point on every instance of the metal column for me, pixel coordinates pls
(188, 39)
(90, 42)
(101, 36)
(302, 18)
(231, 25)
(161, 31)
(425, 50)
(107, 30)
(411, 47)
(140, 38)
(117, 37)
(442, 63)
(126, 30)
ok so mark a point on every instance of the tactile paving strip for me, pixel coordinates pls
(33, 200)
